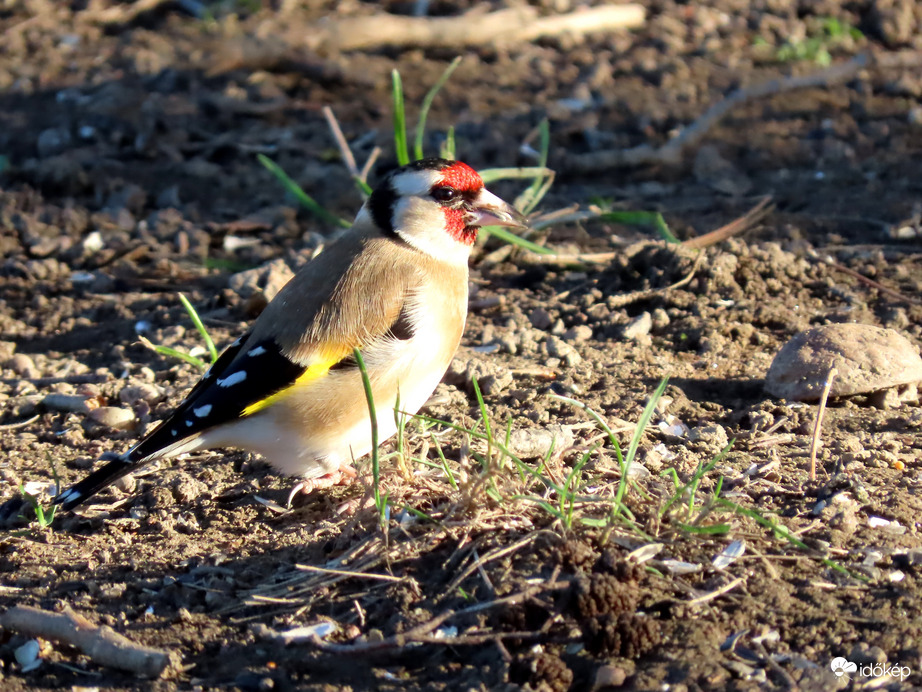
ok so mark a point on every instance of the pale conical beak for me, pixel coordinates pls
(490, 210)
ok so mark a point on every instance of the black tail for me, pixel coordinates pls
(118, 466)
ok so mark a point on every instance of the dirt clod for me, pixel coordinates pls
(542, 673)
(626, 635)
(605, 594)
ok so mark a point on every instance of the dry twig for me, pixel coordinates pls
(20, 424)
(671, 153)
(103, 645)
(471, 29)
(729, 586)
(815, 443)
(88, 378)
(615, 302)
(422, 632)
(873, 284)
(120, 12)
(341, 143)
(480, 561)
(735, 227)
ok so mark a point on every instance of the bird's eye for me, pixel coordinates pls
(445, 194)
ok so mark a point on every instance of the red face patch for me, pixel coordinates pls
(461, 177)
(457, 228)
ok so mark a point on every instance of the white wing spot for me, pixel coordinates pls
(258, 351)
(232, 379)
(202, 411)
(68, 495)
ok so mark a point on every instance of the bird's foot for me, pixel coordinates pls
(342, 475)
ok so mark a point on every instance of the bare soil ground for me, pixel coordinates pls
(129, 174)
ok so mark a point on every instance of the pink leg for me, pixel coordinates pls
(342, 475)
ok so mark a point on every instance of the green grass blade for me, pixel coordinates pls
(438, 449)
(173, 353)
(713, 530)
(197, 321)
(601, 422)
(380, 503)
(491, 175)
(701, 471)
(400, 120)
(485, 418)
(642, 218)
(648, 412)
(44, 520)
(419, 514)
(363, 187)
(639, 429)
(447, 150)
(305, 199)
(427, 104)
(508, 236)
(782, 531)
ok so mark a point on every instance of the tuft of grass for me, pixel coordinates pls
(505, 478)
(180, 355)
(43, 518)
(624, 460)
(690, 488)
(817, 48)
(782, 532)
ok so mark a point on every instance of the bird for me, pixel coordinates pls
(394, 285)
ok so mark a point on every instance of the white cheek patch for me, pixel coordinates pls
(421, 223)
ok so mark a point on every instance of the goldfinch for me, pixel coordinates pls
(394, 285)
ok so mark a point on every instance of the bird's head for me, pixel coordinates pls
(437, 206)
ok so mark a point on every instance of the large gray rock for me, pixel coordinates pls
(866, 358)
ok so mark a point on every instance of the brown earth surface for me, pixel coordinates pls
(128, 173)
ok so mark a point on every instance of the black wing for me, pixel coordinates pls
(224, 393)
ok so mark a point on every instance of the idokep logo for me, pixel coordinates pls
(842, 666)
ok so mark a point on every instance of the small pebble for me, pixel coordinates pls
(7, 349)
(558, 348)
(639, 327)
(540, 319)
(134, 393)
(532, 443)
(578, 334)
(113, 417)
(609, 676)
(23, 366)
